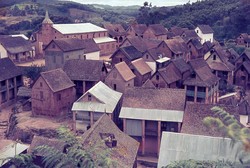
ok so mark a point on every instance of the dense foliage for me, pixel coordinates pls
(228, 18)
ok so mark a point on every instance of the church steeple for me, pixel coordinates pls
(47, 19)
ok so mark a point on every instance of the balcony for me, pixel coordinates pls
(190, 93)
(3, 88)
(201, 94)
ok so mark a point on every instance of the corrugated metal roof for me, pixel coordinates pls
(151, 114)
(77, 28)
(177, 146)
(11, 150)
(103, 40)
(108, 99)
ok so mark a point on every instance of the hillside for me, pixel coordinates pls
(228, 18)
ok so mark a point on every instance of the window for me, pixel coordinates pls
(59, 97)
(214, 57)
(41, 84)
(41, 95)
(89, 97)
(120, 59)
(157, 77)
(243, 78)
(243, 59)
(84, 57)
(197, 31)
(54, 59)
(114, 86)
(147, 56)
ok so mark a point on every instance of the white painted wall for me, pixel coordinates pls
(3, 52)
(152, 65)
(93, 56)
(204, 37)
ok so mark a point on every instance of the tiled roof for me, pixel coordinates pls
(76, 28)
(15, 44)
(181, 65)
(158, 29)
(155, 53)
(177, 45)
(189, 34)
(124, 154)
(194, 115)
(169, 74)
(177, 30)
(71, 44)
(204, 76)
(57, 80)
(206, 29)
(84, 70)
(139, 28)
(149, 84)
(115, 29)
(162, 99)
(196, 43)
(141, 66)
(131, 52)
(8, 69)
(143, 44)
(41, 141)
(124, 71)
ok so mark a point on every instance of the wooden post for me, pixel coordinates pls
(74, 122)
(15, 88)
(91, 118)
(206, 97)
(143, 137)
(159, 137)
(8, 91)
(195, 94)
(124, 125)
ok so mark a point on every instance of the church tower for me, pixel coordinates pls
(47, 30)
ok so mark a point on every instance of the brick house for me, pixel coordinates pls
(116, 31)
(147, 112)
(221, 67)
(205, 32)
(120, 77)
(175, 48)
(106, 136)
(50, 31)
(16, 48)
(85, 73)
(52, 94)
(155, 31)
(126, 54)
(202, 85)
(10, 80)
(245, 56)
(242, 75)
(243, 40)
(195, 48)
(98, 100)
(58, 51)
(136, 30)
(141, 70)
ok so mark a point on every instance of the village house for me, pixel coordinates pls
(156, 59)
(11, 79)
(189, 34)
(155, 31)
(52, 94)
(126, 54)
(105, 137)
(245, 56)
(242, 75)
(147, 112)
(99, 100)
(120, 77)
(173, 75)
(177, 31)
(50, 31)
(58, 51)
(175, 48)
(232, 55)
(202, 85)
(207, 46)
(195, 48)
(85, 73)
(168, 77)
(217, 60)
(205, 32)
(141, 70)
(243, 40)
(116, 31)
(136, 30)
(16, 48)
